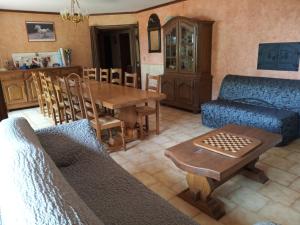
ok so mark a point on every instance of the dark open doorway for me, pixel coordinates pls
(117, 47)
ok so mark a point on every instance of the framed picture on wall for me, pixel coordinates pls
(40, 31)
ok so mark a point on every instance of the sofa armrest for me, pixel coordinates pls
(65, 143)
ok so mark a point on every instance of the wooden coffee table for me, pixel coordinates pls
(207, 170)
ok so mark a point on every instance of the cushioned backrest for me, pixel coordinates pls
(33, 190)
(278, 93)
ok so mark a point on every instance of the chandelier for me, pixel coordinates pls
(73, 14)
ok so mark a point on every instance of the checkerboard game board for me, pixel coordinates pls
(229, 144)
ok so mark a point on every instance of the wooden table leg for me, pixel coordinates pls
(129, 116)
(254, 173)
(199, 195)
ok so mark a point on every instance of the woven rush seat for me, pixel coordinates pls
(106, 121)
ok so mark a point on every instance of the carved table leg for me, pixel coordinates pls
(254, 173)
(129, 116)
(199, 195)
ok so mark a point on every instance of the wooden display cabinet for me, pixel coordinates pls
(187, 79)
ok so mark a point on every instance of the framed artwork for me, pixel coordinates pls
(40, 31)
(279, 56)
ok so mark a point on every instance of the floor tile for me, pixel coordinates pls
(145, 178)
(163, 191)
(296, 205)
(294, 157)
(296, 185)
(280, 176)
(280, 214)
(295, 169)
(248, 199)
(241, 216)
(279, 193)
(204, 219)
(279, 162)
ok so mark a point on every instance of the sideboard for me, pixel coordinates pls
(18, 86)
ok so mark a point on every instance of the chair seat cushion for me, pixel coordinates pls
(117, 197)
(219, 113)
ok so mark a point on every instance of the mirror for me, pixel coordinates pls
(154, 33)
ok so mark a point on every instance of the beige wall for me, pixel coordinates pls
(13, 36)
(240, 26)
(118, 19)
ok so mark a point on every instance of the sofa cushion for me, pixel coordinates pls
(118, 198)
(33, 190)
(269, 92)
(219, 113)
(66, 143)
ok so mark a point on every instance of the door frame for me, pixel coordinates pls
(133, 30)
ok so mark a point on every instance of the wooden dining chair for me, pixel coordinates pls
(39, 92)
(45, 92)
(104, 75)
(130, 80)
(56, 107)
(153, 83)
(116, 76)
(64, 98)
(90, 73)
(73, 86)
(99, 121)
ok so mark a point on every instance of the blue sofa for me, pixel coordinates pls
(267, 103)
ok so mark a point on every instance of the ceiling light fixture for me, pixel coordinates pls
(73, 14)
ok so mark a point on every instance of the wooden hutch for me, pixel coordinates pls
(18, 86)
(187, 79)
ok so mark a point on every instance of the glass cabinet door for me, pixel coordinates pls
(187, 47)
(171, 49)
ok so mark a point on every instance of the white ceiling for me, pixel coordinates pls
(92, 6)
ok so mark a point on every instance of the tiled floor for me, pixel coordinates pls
(246, 201)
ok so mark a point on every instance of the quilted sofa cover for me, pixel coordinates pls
(62, 175)
(267, 103)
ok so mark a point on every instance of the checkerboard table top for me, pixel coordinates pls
(226, 143)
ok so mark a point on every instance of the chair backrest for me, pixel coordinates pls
(89, 102)
(90, 73)
(116, 76)
(44, 86)
(43, 82)
(63, 91)
(130, 80)
(37, 83)
(73, 81)
(153, 83)
(104, 75)
(52, 91)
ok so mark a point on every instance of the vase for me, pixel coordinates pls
(68, 60)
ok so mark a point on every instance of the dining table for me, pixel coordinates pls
(124, 99)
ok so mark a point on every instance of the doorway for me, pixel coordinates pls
(117, 47)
